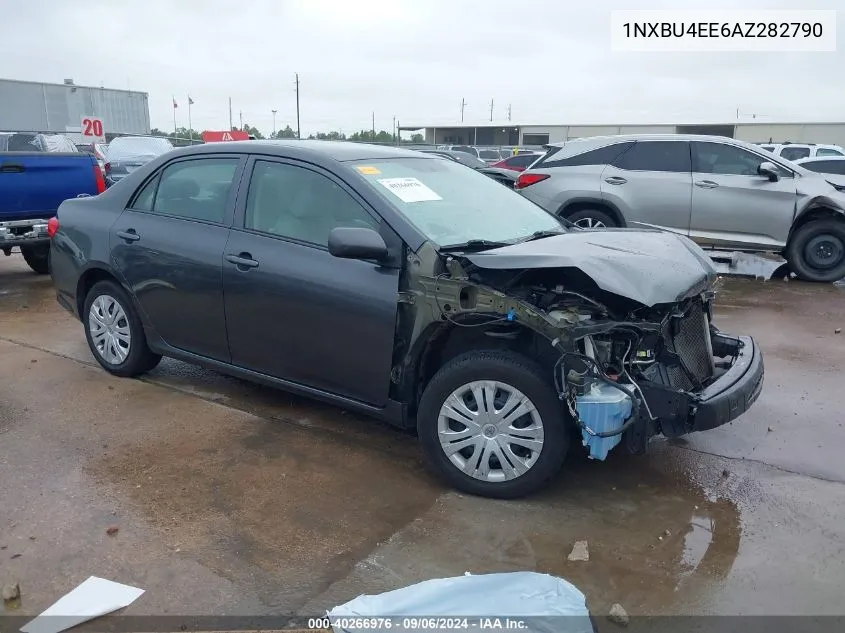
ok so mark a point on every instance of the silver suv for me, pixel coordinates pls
(722, 193)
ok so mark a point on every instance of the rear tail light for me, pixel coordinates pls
(101, 181)
(526, 180)
(52, 227)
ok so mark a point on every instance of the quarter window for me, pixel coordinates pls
(601, 156)
(300, 204)
(144, 199)
(195, 189)
(671, 156)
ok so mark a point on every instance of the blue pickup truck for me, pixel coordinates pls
(37, 173)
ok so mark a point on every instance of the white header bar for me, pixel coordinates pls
(723, 31)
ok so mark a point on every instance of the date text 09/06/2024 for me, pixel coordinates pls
(418, 623)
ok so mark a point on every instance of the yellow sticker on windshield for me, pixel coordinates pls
(368, 170)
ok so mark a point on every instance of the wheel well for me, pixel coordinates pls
(86, 282)
(451, 340)
(816, 213)
(581, 205)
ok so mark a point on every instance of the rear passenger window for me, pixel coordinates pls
(196, 189)
(144, 199)
(671, 156)
(826, 151)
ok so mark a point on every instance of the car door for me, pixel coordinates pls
(651, 185)
(168, 247)
(295, 312)
(735, 207)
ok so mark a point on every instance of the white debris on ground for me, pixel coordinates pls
(580, 552)
(618, 615)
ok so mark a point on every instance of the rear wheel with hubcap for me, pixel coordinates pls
(591, 219)
(37, 257)
(491, 424)
(114, 331)
(817, 250)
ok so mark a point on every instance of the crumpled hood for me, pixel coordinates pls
(649, 267)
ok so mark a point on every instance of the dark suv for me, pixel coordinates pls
(410, 288)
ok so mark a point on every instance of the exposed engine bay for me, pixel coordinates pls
(624, 370)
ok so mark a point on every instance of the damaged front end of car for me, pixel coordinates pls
(623, 370)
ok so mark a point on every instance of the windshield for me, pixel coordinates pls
(128, 147)
(451, 204)
(488, 153)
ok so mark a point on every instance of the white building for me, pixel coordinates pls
(28, 106)
(509, 134)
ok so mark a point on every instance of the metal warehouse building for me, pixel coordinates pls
(509, 134)
(27, 106)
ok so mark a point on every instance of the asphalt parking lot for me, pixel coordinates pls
(238, 499)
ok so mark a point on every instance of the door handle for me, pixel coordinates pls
(129, 235)
(12, 168)
(243, 261)
(706, 184)
(615, 180)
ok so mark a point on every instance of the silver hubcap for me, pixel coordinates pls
(590, 223)
(109, 329)
(490, 430)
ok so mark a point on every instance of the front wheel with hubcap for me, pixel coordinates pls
(491, 424)
(591, 219)
(816, 251)
(114, 331)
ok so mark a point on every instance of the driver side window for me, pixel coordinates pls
(720, 158)
(300, 204)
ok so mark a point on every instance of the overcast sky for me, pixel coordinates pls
(413, 59)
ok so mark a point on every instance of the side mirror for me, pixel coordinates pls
(357, 243)
(768, 170)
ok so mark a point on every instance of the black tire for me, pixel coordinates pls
(816, 251)
(591, 218)
(140, 358)
(514, 371)
(37, 257)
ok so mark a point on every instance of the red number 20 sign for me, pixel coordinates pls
(92, 128)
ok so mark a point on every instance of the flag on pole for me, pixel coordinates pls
(190, 101)
(175, 105)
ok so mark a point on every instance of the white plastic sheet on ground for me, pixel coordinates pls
(542, 603)
(93, 598)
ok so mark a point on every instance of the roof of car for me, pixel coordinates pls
(337, 150)
(817, 159)
(647, 137)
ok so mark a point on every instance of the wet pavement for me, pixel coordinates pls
(238, 499)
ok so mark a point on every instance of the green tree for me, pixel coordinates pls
(252, 130)
(417, 138)
(287, 132)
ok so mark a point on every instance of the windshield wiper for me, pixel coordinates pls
(474, 245)
(539, 235)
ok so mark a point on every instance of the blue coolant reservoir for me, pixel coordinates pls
(603, 409)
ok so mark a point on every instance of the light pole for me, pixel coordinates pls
(274, 121)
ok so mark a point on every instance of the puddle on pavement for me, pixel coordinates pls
(655, 539)
(284, 509)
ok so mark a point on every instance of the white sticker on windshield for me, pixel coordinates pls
(408, 189)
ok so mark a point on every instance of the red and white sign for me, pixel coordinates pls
(225, 136)
(93, 130)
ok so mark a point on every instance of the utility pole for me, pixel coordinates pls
(297, 106)
(274, 121)
(373, 137)
(241, 115)
(463, 105)
(398, 134)
(491, 109)
(230, 114)
(394, 129)
(509, 112)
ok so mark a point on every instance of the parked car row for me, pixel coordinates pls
(795, 151)
(406, 286)
(493, 156)
(722, 193)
